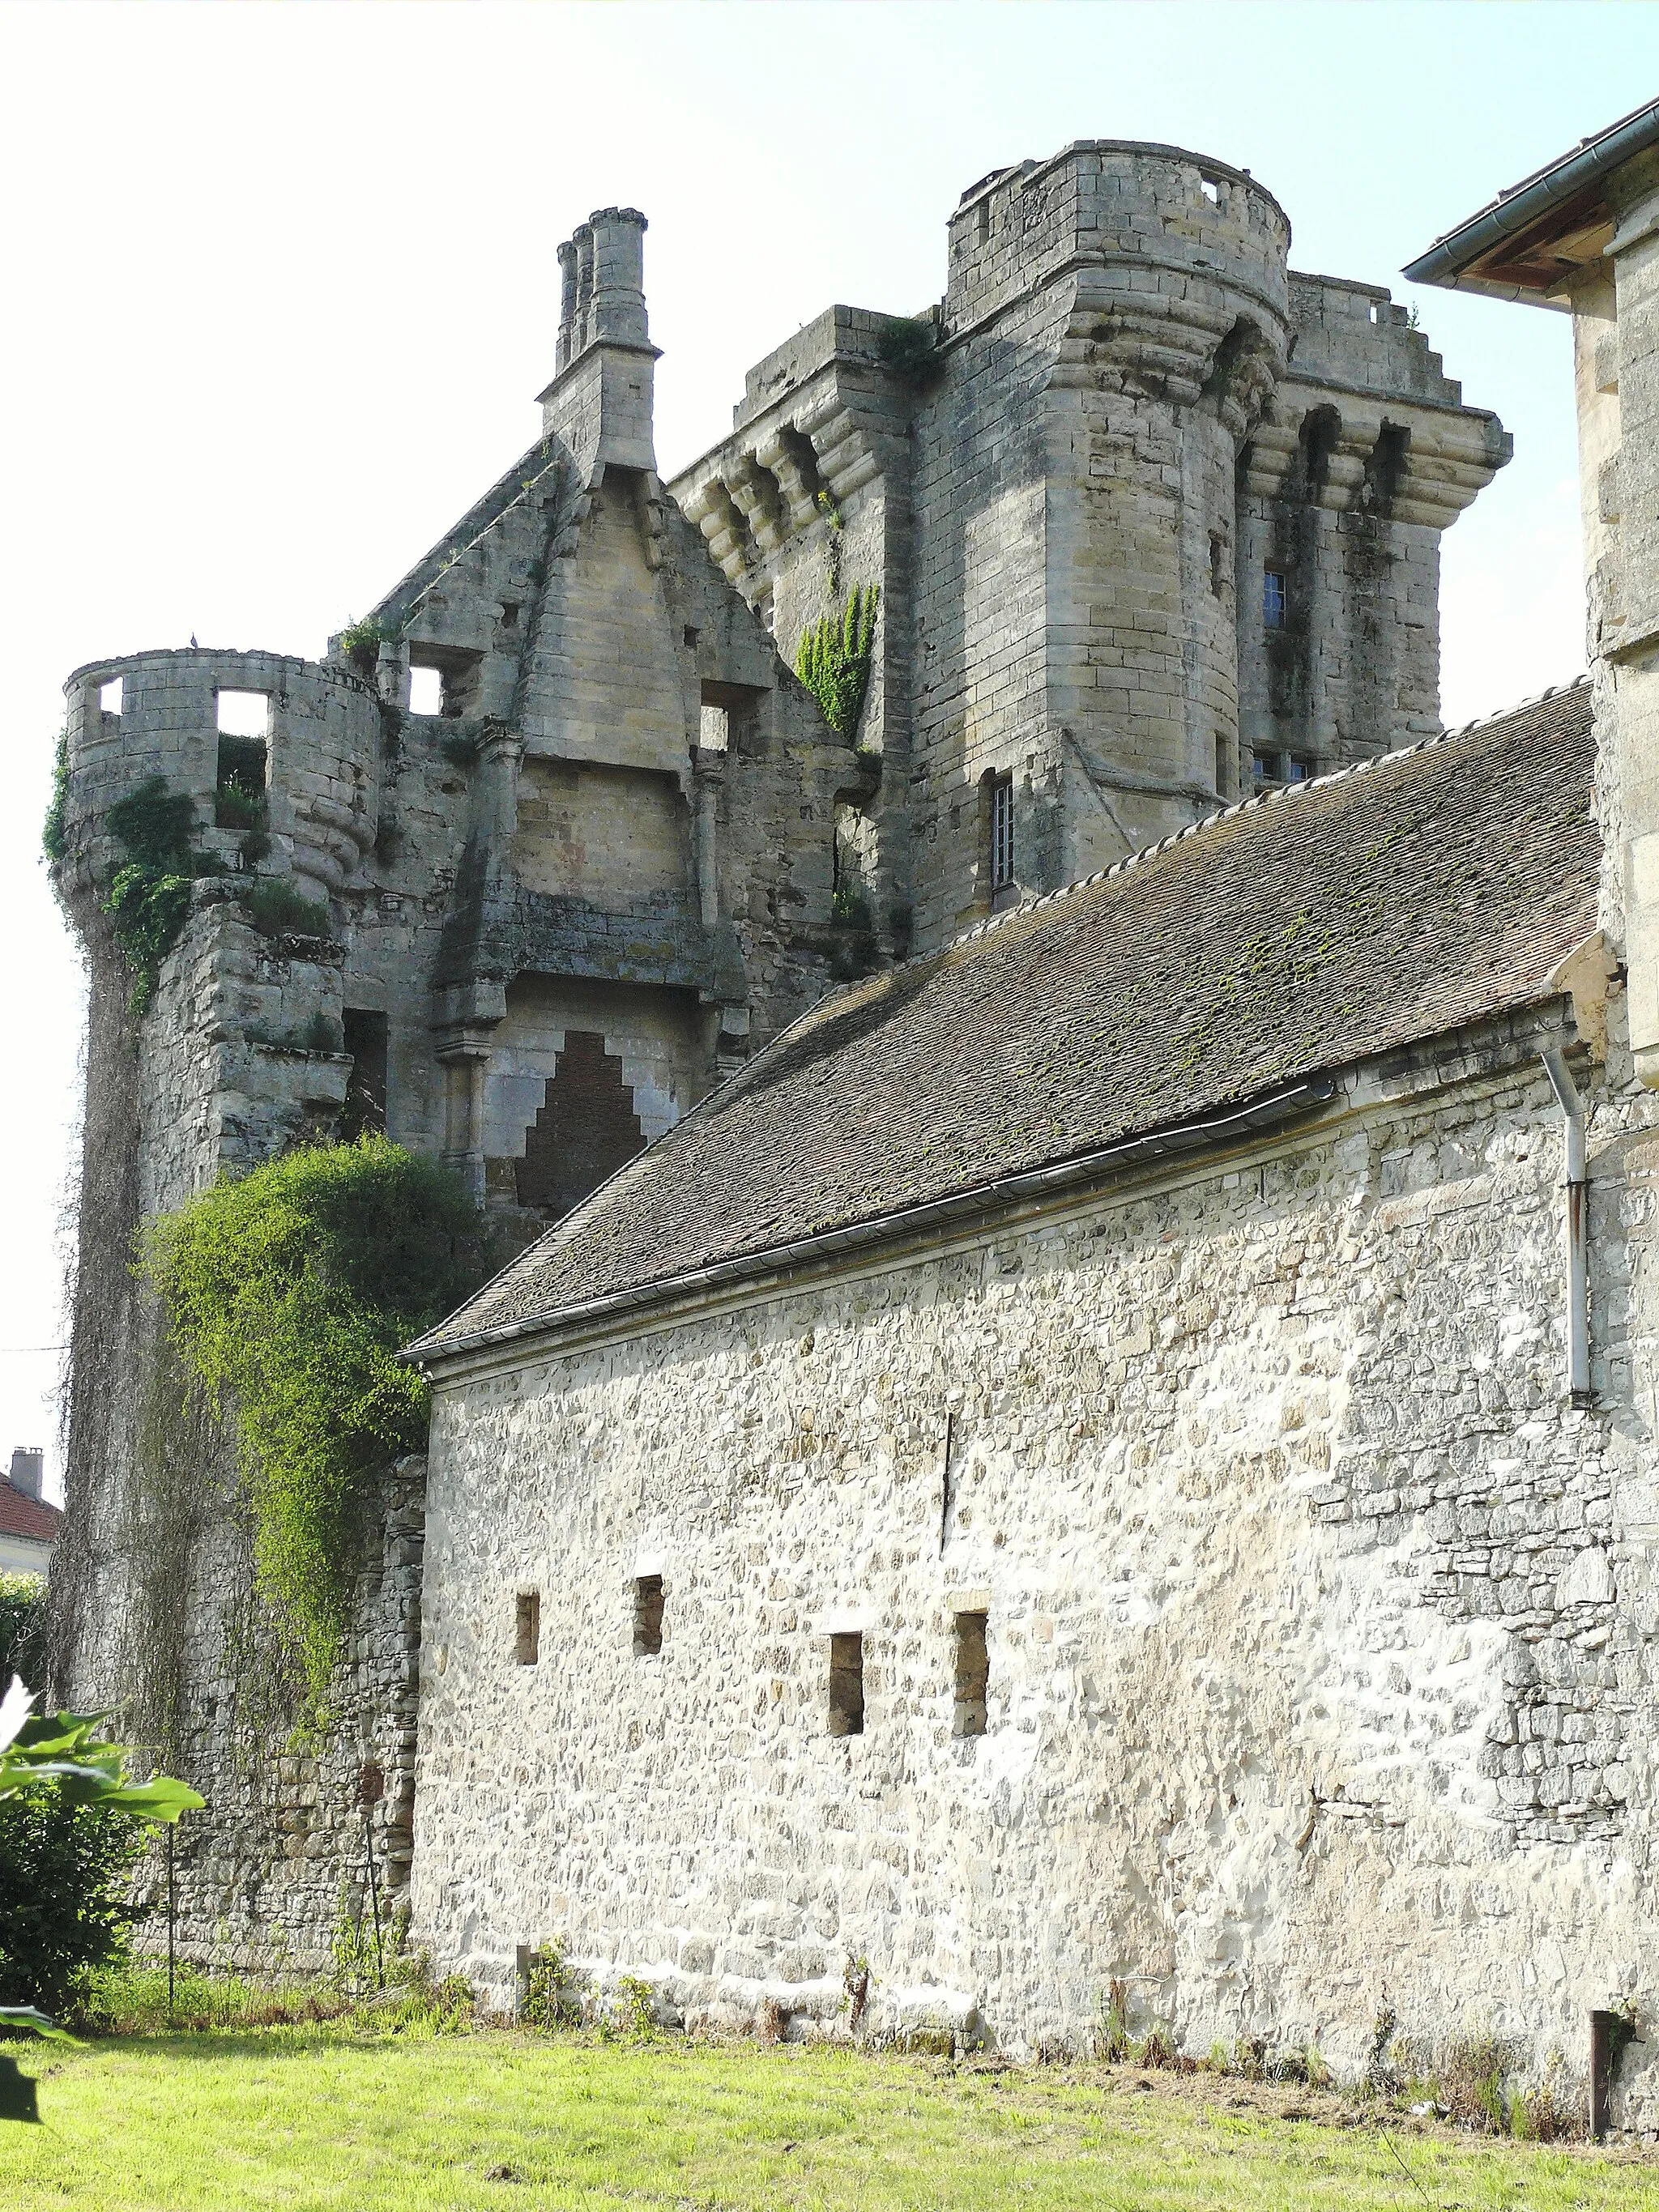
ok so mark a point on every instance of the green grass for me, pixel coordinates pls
(335, 2117)
(328, 2115)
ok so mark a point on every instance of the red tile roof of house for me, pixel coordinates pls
(28, 1516)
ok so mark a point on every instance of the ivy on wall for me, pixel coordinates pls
(289, 1294)
(147, 901)
(833, 658)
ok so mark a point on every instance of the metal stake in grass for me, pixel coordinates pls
(371, 1788)
(173, 1910)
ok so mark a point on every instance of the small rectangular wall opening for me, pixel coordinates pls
(1273, 599)
(109, 696)
(445, 679)
(527, 1628)
(647, 1616)
(846, 1683)
(973, 1673)
(426, 691)
(1002, 833)
(244, 714)
(364, 1111)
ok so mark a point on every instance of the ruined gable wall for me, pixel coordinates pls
(1319, 1623)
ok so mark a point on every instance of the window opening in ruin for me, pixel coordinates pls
(1211, 190)
(426, 691)
(510, 614)
(244, 713)
(1223, 766)
(690, 636)
(238, 800)
(1297, 768)
(445, 679)
(527, 1628)
(364, 1111)
(846, 1683)
(1002, 833)
(1273, 599)
(1264, 768)
(586, 1129)
(109, 696)
(647, 1616)
(1218, 563)
(982, 222)
(973, 1673)
(713, 730)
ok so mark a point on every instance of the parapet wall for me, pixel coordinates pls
(322, 741)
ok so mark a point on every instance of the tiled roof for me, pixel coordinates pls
(28, 1516)
(1300, 932)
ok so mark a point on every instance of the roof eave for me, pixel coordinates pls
(1449, 259)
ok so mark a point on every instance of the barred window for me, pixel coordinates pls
(1002, 833)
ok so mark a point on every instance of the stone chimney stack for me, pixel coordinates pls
(27, 1470)
(599, 402)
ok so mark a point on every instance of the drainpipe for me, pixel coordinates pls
(1572, 1115)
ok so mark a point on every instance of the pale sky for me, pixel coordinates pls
(281, 288)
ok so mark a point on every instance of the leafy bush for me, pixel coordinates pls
(236, 809)
(289, 1293)
(148, 898)
(277, 908)
(553, 1990)
(360, 643)
(908, 345)
(64, 1909)
(53, 839)
(23, 1629)
(833, 659)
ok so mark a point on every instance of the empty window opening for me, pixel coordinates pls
(584, 1130)
(510, 614)
(1218, 563)
(846, 1683)
(364, 1111)
(1273, 599)
(973, 1672)
(445, 679)
(426, 691)
(109, 696)
(647, 1616)
(1211, 190)
(1297, 768)
(1002, 833)
(1264, 768)
(527, 1628)
(690, 636)
(1225, 756)
(239, 801)
(982, 222)
(715, 730)
(244, 713)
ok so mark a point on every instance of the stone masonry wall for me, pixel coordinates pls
(1319, 1620)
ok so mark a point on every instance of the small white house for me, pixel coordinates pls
(28, 1525)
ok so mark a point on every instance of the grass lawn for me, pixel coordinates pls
(326, 2117)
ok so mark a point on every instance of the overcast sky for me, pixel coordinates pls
(280, 288)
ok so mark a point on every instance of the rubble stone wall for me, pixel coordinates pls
(1319, 1620)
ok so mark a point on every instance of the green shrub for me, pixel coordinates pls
(23, 1630)
(908, 346)
(277, 908)
(53, 833)
(64, 1910)
(288, 1293)
(360, 643)
(233, 808)
(147, 901)
(833, 659)
(552, 1993)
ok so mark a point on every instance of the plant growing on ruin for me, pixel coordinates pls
(360, 643)
(53, 834)
(908, 346)
(288, 1293)
(552, 1993)
(833, 658)
(147, 901)
(636, 2007)
(277, 908)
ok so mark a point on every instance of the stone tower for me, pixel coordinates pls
(544, 847)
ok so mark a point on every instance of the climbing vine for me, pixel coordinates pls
(833, 659)
(149, 896)
(288, 1293)
(54, 836)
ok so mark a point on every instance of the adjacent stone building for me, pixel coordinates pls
(1071, 1457)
